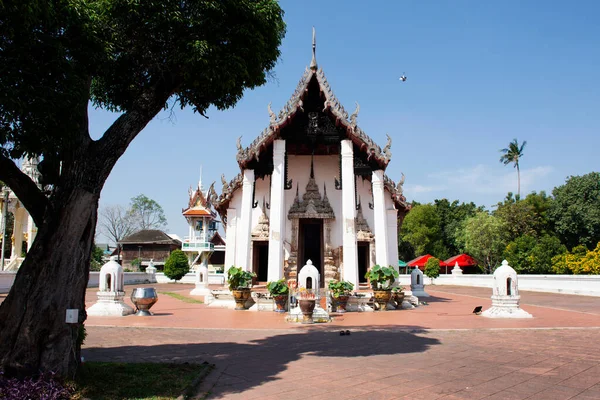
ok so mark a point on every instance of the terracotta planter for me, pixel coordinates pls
(339, 303)
(241, 296)
(280, 302)
(307, 307)
(382, 297)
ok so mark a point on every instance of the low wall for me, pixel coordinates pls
(587, 285)
(190, 277)
(130, 278)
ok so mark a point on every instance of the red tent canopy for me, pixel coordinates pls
(463, 260)
(421, 260)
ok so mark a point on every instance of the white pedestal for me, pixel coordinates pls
(319, 315)
(506, 307)
(110, 304)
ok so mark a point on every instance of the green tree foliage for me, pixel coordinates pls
(530, 255)
(484, 237)
(575, 210)
(524, 217)
(422, 230)
(432, 268)
(177, 265)
(146, 213)
(96, 259)
(512, 154)
(133, 57)
(452, 216)
(579, 261)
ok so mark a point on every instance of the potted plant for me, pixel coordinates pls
(279, 291)
(340, 292)
(382, 279)
(239, 284)
(307, 302)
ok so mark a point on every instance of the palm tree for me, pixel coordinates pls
(512, 154)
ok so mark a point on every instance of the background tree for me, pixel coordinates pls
(116, 223)
(575, 211)
(422, 230)
(432, 268)
(531, 255)
(96, 259)
(484, 238)
(512, 154)
(519, 217)
(578, 261)
(131, 57)
(177, 265)
(146, 213)
(452, 215)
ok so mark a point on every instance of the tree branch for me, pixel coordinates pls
(111, 146)
(26, 190)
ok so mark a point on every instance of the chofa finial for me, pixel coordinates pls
(313, 62)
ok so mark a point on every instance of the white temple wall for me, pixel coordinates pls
(365, 192)
(326, 168)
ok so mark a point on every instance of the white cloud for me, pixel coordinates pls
(480, 182)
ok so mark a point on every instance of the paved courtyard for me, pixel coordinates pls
(436, 351)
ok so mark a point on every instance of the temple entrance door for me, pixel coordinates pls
(363, 260)
(310, 246)
(260, 260)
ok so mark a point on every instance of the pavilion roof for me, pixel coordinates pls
(463, 260)
(422, 260)
(149, 236)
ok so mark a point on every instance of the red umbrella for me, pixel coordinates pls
(463, 260)
(421, 261)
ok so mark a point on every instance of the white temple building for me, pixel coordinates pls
(313, 186)
(24, 229)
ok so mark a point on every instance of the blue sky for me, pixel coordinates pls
(479, 75)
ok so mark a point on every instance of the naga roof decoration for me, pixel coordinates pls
(294, 105)
(332, 106)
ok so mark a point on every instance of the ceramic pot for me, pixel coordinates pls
(382, 297)
(241, 296)
(280, 302)
(339, 303)
(307, 307)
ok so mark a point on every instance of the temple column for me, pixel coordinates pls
(31, 232)
(392, 226)
(242, 258)
(230, 242)
(350, 254)
(17, 244)
(381, 228)
(276, 215)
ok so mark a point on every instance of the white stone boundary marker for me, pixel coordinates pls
(416, 283)
(110, 293)
(505, 295)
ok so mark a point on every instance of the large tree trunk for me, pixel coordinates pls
(34, 336)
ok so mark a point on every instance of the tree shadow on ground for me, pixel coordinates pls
(435, 299)
(245, 365)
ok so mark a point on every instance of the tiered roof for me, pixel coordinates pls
(334, 109)
(200, 204)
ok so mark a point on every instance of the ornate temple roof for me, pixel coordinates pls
(293, 108)
(200, 204)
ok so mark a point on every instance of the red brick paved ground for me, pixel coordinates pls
(435, 351)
